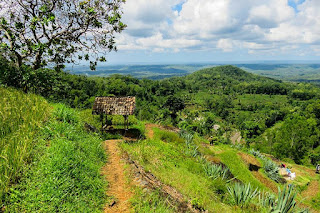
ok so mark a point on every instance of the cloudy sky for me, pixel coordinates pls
(188, 31)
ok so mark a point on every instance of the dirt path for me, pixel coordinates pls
(149, 130)
(114, 172)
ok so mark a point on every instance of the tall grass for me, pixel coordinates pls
(21, 116)
(65, 175)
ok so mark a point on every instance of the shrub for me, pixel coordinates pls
(170, 137)
(267, 200)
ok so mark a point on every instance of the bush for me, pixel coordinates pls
(170, 137)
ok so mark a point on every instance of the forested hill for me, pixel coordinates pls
(265, 111)
(224, 72)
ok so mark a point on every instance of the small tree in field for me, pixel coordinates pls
(39, 32)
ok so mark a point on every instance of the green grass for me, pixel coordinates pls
(21, 117)
(150, 201)
(170, 162)
(239, 169)
(65, 175)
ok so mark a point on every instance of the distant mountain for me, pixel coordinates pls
(288, 72)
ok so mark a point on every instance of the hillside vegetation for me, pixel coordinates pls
(216, 177)
(49, 163)
(21, 118)
(265, 111)
(219, 118)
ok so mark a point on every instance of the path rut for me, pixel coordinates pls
(115, 175)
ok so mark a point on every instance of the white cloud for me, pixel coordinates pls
(270, 14)
(254, 25)
(225, 44)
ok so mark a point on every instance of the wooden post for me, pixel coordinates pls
(126, 122)
(101, 119)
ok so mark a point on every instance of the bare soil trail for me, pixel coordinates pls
(149, 130)
(118, 187)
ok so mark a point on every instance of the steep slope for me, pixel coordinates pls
(21, 117)
(48, 162)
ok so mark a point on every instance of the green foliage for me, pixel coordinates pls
(191, 147)
(271, 170)
(242, 194)
(238, 168)
(267, 200)
(51, 31)
(65, 175)
(21, 118)
(170, 164)
(153, 201)
(170, 137)
(269, 167)
(294, 137)
(65, 114)
(269, 119)
(285, 201)
(215, 171)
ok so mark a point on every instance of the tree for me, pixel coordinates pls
(39, 32)
(174, 104)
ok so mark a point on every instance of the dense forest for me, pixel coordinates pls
(275, 117)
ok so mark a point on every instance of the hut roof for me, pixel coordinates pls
(114, 105)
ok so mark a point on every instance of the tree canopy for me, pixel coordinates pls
(40, 32)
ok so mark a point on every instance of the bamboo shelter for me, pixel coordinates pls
(124, 106)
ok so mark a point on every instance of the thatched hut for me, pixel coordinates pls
(114, 106)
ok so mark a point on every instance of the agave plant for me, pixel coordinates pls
(285, 201)
(188, 139)
(267, 200)
(214, 171)
(242, 194)
(271, 170)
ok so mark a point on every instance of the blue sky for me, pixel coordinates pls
(191, 31)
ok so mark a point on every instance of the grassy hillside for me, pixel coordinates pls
(187, 164)
(51, 164)
(21, 117)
